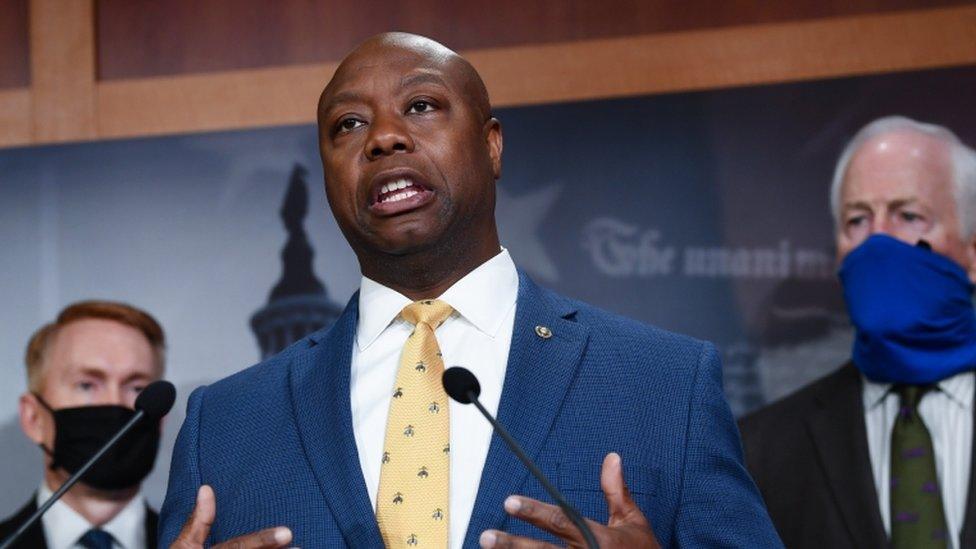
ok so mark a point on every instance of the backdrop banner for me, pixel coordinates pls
(704, 213)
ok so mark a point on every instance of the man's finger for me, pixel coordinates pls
(620, 505)
(494, 539)
(269, 538)
(197, 527)
(546, 516)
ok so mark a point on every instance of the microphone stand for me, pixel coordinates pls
(568, 509)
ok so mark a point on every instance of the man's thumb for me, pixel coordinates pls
(197, 527)
(615, 490)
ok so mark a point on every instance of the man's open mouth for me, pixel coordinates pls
(398, 190)
(399, 193)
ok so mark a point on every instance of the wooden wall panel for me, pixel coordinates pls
(15, 117)
(570, 71)
(65, 102)
(62, 42)
(14, 50)
(140, 38)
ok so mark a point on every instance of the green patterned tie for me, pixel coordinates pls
(917, 516)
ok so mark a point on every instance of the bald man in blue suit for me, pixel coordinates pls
(277, 443)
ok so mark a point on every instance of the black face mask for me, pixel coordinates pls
(80, 432)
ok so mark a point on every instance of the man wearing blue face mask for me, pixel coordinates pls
(879, 453)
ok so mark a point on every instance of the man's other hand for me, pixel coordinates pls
(627, 526)
(197, 528)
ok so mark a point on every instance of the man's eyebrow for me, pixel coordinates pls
(92, 371)
(137, 376)
(894, 202)
(857, 205)
(347, 96)
(899, 202)
(422, 78)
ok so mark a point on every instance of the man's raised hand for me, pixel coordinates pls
(627, 527)
(197, 528)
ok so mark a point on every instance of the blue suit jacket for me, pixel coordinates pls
(276, 443)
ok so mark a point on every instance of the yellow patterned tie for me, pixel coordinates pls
(411, 507)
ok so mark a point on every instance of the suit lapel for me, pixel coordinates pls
(319, 381)
(968, 536)
(152, 527)
(838, 431)
(34, 537)
(539, 373)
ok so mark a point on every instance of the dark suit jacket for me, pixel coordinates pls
(33, 538)
(276, 441)
(808, 453)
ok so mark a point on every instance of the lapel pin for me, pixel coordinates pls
(543, 331)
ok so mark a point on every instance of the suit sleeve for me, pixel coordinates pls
(720, 505)
(184, 474)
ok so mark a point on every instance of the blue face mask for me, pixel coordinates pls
(913, 312)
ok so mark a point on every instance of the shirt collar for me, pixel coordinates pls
(483, 297)
(959, 388)
(63, 526)
(874, 392)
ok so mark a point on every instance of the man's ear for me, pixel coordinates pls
(32, 418)
(493, 138)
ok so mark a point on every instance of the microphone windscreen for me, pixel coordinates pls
(156, 399)
(458, 382)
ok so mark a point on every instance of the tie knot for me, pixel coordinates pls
(96, 538)
(431, 312)
(911, 395)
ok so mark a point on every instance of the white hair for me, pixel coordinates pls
(963, 160)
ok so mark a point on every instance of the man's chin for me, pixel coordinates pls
(111, 494)
(406, 248)
(408, 240)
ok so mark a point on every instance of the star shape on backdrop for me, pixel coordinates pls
(520, 219)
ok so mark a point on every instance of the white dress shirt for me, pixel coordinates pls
(477, 336)
(63, 526)
(948, 415)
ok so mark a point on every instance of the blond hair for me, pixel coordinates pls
(105, 310)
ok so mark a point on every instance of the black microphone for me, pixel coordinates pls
(153, 403)
(462, 386)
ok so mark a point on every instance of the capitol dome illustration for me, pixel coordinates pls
(299, 303)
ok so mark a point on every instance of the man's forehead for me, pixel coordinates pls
(902, 147)
(393, 57)
(899, 163)
(396, 44)
(400, 75)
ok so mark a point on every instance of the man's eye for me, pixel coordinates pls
(86, 385)
(348, 124)
(910, 217)
(420, 107)
(855, 221)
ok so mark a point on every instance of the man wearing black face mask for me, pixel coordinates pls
(84, 371)
(880, 452)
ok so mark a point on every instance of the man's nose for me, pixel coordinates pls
(112, 395)
(387, 136)
(881, 225)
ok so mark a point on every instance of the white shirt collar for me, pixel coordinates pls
(63, 526)
(959, 388)
(482, 297)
